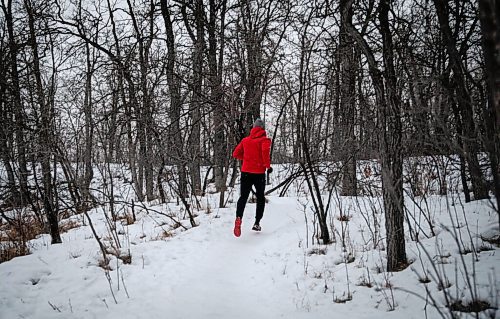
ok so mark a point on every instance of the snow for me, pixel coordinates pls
(205, 272)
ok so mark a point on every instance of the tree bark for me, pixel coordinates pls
(46, 132)
(142, 112)
(127, 101)
(489, 11)
(147, 116)
(5, 140)
(347, 101)
(196, 98)
(174, 86)
(388, 111)
(464, 102)
(216, 96)
(302, 128)
(89, 127)
(18, 108)
(391, 155)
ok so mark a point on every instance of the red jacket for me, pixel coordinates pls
(254, 150)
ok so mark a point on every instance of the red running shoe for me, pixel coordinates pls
(237, 227)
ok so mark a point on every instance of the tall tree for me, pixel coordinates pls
(489, 11)
(464, 101)
(258, 20)
(89, 127)
(19, 116)
(347, 101)
(6, 121)
(304, 126)
(215, 67)
(144, 109)
(391, 150)
(198, 39)
(174, 86)
(389, 136)
(46, 129)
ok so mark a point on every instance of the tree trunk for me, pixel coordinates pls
(18, 108)
(306, 162)
(174, 86)
(471, 147)
(216, 97)
(391, 156)
(388, 107)
(461, 157)
(196, 99)
(149, 109)
(113, 140)
(347, 101)
(46, 133)
(142, 111)
(4, 153)
(6, 137)
(128, 101)
(145, 113)
(117, 94)
(490, 26)
(89, 127)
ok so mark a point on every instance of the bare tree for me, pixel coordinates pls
(215, 67)
(347, 101)
(257, 21)
(303, 122)
(19, 117)
(464, 102)
(490, 25)
(389, 137)
(196, 87)
(89, 127)
(144, 110)
(6, 124)
(174, 86)
(46, 133)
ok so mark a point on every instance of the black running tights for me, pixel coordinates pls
(247, 180)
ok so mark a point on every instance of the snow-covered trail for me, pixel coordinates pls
(204, 272)
(216, 275)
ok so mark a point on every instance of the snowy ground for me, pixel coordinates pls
(205, 272)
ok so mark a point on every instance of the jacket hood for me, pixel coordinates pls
(257, 132)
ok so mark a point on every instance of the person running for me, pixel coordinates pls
(254, 150)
